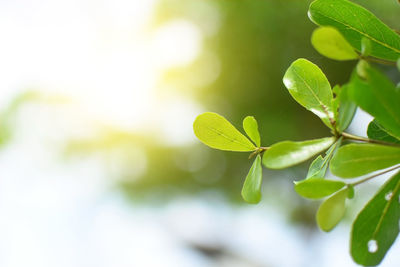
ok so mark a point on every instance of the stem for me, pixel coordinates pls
(380, 61)
(367, 140)
(259, 150)
(375, 175)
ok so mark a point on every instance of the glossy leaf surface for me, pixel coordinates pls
(377, 225)
(217, 132)
(251, 191)
(310, 88)
(288, 153)
(355, 22)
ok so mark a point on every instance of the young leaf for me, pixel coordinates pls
(250, 126)
(317, 168)
(355, 22)
(377, 132)
(332, 210)
(377, 225)
(251, 191)
(310, 88)
(287, 153)
(377, 95)
(347, 109)
(329, 42)
(317, 188)
(216, 132)
(354, 160)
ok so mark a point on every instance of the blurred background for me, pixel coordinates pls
(99, 166)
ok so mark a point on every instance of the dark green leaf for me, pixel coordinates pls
(377, 95)
(317, 188)
(250, 126)
(332, 210)
(377, 132)
(355, 22)
(251, 191)
(354, 160)
(347, 109)
(377, 225)
(329, 42)
(216, 132)
(310, 88)
(288, 153)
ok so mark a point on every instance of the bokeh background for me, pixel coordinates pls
(99, 166)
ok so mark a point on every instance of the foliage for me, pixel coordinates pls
(347, 32)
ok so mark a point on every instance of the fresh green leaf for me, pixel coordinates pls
(377, 132)
(347, 109)
(310, 88)
(354, 160)
(398, 64)
(317, 168)
(216, 132)
(351, 191)
(377, 95)
(288, 153)
(329, 42)
(365, 47)
(250, 126)
(377, 225)
(332, 210)
(251, 191)
(355, 22)
(317, 188)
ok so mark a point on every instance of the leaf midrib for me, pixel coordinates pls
(230, 139)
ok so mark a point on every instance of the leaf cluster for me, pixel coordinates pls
(346, 32)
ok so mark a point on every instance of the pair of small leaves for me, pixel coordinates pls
(355, 23)
(217, 132)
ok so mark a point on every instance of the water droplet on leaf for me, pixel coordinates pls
(372, 246)
(389, 195)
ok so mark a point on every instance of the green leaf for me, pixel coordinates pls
(329, 42)
(355, 22)
(251, 191)
(354, 160)
(250, 126)
(377, 225)
(287, 153)
(317, 188)
(216, 132)
(377, 132)
(317, 168)
(377, 95)
(332, 210)
(347, 109)
(310, 88)
(398, 64)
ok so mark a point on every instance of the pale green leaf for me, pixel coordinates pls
(354, 23)
(288, 153)
(377, 226)
(329, 42)
(332, 210)
(310, 88)
(354, 160)
(317, 188)
(250, 126)
(251, 191)
(216, 132)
